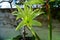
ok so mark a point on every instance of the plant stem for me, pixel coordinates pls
(50, 27)
(24, 33)
(49, 19)
(49, 24)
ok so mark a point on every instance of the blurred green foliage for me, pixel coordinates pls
(55, 9)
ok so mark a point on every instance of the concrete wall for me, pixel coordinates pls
(7, 22)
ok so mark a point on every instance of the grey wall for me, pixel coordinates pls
(7, 22)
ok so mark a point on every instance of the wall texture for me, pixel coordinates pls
(7, 23)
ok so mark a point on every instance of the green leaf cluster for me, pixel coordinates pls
(27, 15)
(52, 0)
(31, 2)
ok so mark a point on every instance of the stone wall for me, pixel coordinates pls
(7, 23)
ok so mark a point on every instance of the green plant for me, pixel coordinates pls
(27, 15)
(32, 2)
(49, 19)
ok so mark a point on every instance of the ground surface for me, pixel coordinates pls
(43, 33)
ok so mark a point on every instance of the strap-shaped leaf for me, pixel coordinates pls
(31, 2)
(19, 16)
(26, 10)
(19, 9)
(21, 24)
(15, 13)
(21, 12)
(36, 2)
(36, 23)
(35, 11)
(35, 14)
(34, 33)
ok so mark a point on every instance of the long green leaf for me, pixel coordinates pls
(31, 2)
(21, 24)
(36, 23)
(35, 14)
(34, 33)
(15, 13)
(19, 16)
(26, 9)
(19, 9)
(35, 11)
